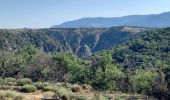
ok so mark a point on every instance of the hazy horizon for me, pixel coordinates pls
(45, 13)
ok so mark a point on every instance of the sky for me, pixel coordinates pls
(46, 13)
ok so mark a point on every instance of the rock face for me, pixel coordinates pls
(152, 20)
(80, 41)
(84, 51)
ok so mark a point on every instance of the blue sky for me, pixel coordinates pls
(45, 13)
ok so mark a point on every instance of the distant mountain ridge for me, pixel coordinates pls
(152, 20)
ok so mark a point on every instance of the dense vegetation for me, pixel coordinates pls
(141, 65)
(145, 62)
(81, 41)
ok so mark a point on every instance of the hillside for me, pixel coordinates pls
(147, 50)
(145, 56)
(140, 65)
(152, 20)
(81, 41)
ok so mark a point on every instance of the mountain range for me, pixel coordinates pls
(152, 20)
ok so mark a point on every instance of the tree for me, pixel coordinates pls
(143, 80)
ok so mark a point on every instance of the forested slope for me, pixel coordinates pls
(81, 41)
(139, 65)
(146, 62)
(148, 50)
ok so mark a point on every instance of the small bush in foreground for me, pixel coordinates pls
(63, 94)
(9, 81)
(28, 88)
(74, 96)
(4, 87)
(25, 81)
(76, 88)
(86, 87)
(49, 88)
(39, 85)
(9, 95)
(18, 98)
(1, 81)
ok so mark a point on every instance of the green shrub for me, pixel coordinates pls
(67, 85)
(49, 88)
(24, 81)
(63, 94)
(58, 84)
(6, 95)
(19, 98)
(9, 95)
(4, 87)
(1, 81)
(74, 96)
(143, 80)
(46, 83)
(28, 88)
(9, 81)
(39, 85)
(82, 98)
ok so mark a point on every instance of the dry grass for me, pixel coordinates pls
(70, 92)
(38, 95)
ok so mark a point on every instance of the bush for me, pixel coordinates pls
(18, 98)
(28, 88)
(9, 81)
(6, 95)
(25, 81)
(65, 97)
(49, 88)
(1, 81)
(83, 98)
(46, 83)
(9, 95)
(63, 94)
(58, 84)
(143, 80)
(76, 88)
(74, 96)
(86, 87)
(4, 87)
(39, 85)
